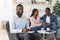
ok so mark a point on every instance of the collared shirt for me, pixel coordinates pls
(35, 22)
(48, 19)
(18, 23)
(53, 19)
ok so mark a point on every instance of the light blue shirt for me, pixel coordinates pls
(17, 24)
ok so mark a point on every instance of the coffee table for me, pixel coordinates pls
(43, 32)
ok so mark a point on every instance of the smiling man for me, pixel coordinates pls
(50, 20)
(19, 24)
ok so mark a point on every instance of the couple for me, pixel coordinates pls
(46, 21)
(20, 25)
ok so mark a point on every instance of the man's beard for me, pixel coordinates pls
(19, 14)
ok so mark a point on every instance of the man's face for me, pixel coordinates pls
(19, 10)
(47, 11)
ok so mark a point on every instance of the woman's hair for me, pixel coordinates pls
(34, 10)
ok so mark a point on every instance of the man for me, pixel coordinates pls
(50, 21)
(19, 24)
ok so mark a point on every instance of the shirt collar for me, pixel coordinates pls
(19, 17)
(49, 16)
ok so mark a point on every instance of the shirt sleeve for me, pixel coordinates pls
(13, 28)
(27, 24)
(55, 20)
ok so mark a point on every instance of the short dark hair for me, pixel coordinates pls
(20, 5)
(48, 8)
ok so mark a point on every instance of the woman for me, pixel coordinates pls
(36, 23)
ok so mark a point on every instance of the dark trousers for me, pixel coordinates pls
(23, 36)
(36, 28)
(35, 36)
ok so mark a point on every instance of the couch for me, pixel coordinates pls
(13, 36)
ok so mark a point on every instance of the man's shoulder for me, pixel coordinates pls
(23, 16)
(14, 17)
(54, 15)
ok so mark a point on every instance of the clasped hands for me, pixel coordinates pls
(45, 23)
(25, 30)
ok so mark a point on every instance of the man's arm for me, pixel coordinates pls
(55, 20)
(27, 24)
(26, 29)
(42, 17)
(43, 20)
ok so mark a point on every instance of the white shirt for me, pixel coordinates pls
(48, 19)
(17, 24)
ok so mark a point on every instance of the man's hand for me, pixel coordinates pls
(25, 30)
(45, 23)
(51, 24)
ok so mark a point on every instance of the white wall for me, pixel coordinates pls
(7, 9)
(53, 2)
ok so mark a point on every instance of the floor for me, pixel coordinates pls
(3, 35)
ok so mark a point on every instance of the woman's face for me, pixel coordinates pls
(36, 13)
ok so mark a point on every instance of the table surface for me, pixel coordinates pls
(42, 31)
(45, 32)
